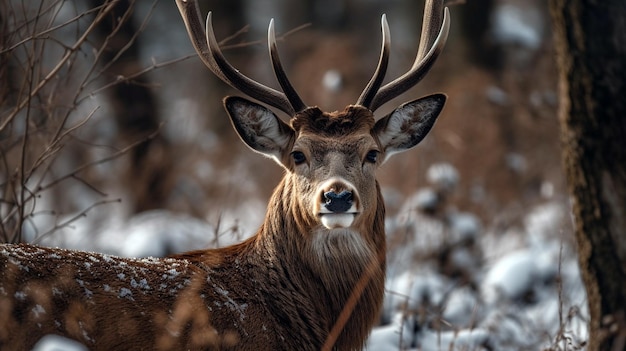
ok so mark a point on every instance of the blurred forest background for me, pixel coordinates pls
(106, 112)
(113, 138)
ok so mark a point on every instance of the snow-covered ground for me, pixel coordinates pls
(454, 285)
(467, 292)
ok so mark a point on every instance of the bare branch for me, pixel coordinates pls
(97, 162)
(58, 66)
(43, 35)
(59, 136)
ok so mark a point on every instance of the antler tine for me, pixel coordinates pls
(193, 23)
(208, 49)
(374, 84)
(290, 92)
(420, 67)
(431, 25)
(244, 84)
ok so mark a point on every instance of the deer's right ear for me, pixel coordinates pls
(259, 127)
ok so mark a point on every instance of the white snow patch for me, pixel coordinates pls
(126, 293)
(398, 335)
(142, 284)
(232, 305)
(466, 339)
(20, 295)
(56, 343)
(38, 310)
(517, 25)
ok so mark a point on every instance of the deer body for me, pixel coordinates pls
(233, 298)
(311, 278)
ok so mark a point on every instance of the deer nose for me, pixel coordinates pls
(338, 202)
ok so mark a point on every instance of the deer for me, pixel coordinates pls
(313, 275)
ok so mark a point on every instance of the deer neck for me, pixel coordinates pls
(338, 265)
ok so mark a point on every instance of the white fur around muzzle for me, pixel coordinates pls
(332, 220)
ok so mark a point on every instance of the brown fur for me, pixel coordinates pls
(351, 120)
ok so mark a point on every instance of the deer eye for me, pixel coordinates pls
(298, 157)
(371, 156)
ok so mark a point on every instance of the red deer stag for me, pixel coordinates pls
(313, 275)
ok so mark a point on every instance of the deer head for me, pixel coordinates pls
(330, 157)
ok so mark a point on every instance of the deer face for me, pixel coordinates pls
(331, 158)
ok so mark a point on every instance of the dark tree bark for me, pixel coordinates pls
(5, 77)
(590, 37)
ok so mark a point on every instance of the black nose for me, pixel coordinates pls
(338, 202)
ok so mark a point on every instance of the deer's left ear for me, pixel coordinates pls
(259, 127)
(408, 124)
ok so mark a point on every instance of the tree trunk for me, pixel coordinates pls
(590, 37)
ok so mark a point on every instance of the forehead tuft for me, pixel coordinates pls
(351, 120)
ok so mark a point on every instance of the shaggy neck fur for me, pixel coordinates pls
(334, 262)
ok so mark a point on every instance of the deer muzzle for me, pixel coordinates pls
(338, 203)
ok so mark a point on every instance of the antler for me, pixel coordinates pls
(369, 93)
(208, 49)
(434, 23)
(290, 92)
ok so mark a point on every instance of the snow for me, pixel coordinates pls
(497, 96)
(332, 80)
(520, 296)
(234, 306)
(517, 25)
(126, 293)
(468, 339)
(443, 175)
(154, 233)
(514, 276)
(20, 295)
(38, 310)
(393, 336)
(454, 284)
(56, 343)
(142, 284)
